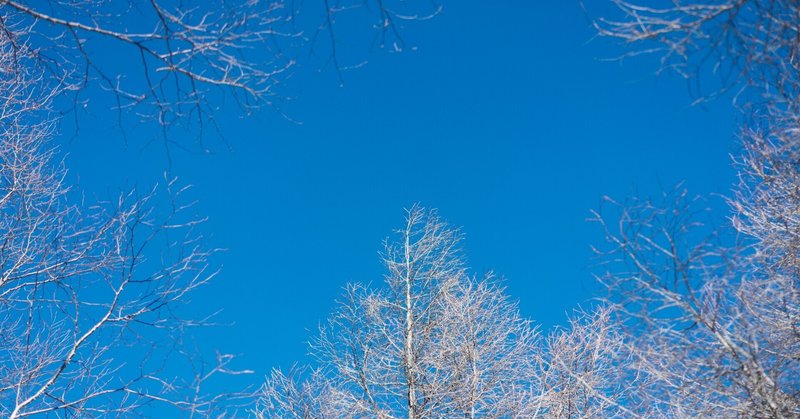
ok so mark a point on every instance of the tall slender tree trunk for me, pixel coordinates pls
(408, 346)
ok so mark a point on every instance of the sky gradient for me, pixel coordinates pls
(506, 117)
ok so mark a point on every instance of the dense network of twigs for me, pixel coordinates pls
(745, 43)
(176, 62)
(713, 316)
(86, 288)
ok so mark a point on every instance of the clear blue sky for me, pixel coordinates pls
(505, 118)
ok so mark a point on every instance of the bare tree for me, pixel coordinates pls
(713, 311)
(746, 43)
(174, 62)
(714, 326)
(432, 343)
(89, 293)
(435, 342)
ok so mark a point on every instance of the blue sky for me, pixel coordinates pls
(506, 118)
